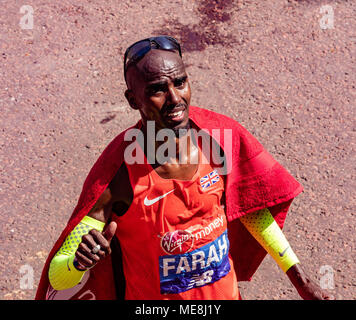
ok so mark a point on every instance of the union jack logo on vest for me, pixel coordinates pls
(208, 180)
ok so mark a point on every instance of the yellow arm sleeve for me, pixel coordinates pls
(266, 231)
(62, 274)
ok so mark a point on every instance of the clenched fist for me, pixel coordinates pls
(84, 256)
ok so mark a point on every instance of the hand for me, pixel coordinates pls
(84, 256)
(311, 291)
(306, 288)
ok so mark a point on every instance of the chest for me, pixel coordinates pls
(168, 204)
(177, 171)
(170, 216)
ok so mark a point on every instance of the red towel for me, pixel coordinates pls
(254, 181)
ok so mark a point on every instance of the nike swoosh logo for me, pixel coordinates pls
(281, 254)
(148, 202)
(68, 265)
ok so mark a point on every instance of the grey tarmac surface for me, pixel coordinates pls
(278, 67)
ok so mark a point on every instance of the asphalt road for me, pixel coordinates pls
(281, 68)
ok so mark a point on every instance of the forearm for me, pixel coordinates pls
(62, 273)
(297, 276)
(266, 231)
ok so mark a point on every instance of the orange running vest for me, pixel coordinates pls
(174, 237)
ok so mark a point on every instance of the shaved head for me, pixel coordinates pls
(158, 87)
(153, 63)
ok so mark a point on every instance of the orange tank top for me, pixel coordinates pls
(174, 237)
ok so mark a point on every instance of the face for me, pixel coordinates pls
(158, 87)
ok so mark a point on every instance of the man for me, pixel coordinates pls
(176, 226)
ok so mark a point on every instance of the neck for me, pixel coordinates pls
(171, 146)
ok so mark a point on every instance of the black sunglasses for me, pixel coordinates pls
(139, 49)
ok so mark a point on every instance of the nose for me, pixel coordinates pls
(173, 95)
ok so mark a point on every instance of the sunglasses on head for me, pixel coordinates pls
(139, 49)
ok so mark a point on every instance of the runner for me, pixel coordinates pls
(179, 212)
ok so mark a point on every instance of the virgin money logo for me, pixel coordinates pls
(177, 242)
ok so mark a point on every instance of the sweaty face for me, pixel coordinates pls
(159, 89)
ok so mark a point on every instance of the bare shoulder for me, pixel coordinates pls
(121, 191)
(120, 186)
(118, 191)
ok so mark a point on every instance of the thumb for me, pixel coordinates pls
(110, 230)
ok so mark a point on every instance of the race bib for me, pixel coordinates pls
(182, 272)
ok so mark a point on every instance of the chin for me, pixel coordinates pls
(185, 125)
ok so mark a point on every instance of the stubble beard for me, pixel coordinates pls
(181, 131)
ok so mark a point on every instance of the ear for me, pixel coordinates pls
(131, 99)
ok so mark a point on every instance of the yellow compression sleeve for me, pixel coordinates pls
(266, 231)
(62, 274)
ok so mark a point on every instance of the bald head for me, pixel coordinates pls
(159, 89)
(153, 65)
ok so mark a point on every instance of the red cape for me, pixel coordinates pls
(256, 181)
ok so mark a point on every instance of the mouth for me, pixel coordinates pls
(175, 115)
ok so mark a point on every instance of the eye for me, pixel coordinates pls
(180, 82)
(156, 89)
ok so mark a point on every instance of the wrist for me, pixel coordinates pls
(78, 266)
(297, 276)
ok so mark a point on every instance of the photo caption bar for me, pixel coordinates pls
(166, 311)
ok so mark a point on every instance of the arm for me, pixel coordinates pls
(84, 258)
(75, 255)
(266, 231)
(306, 288)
